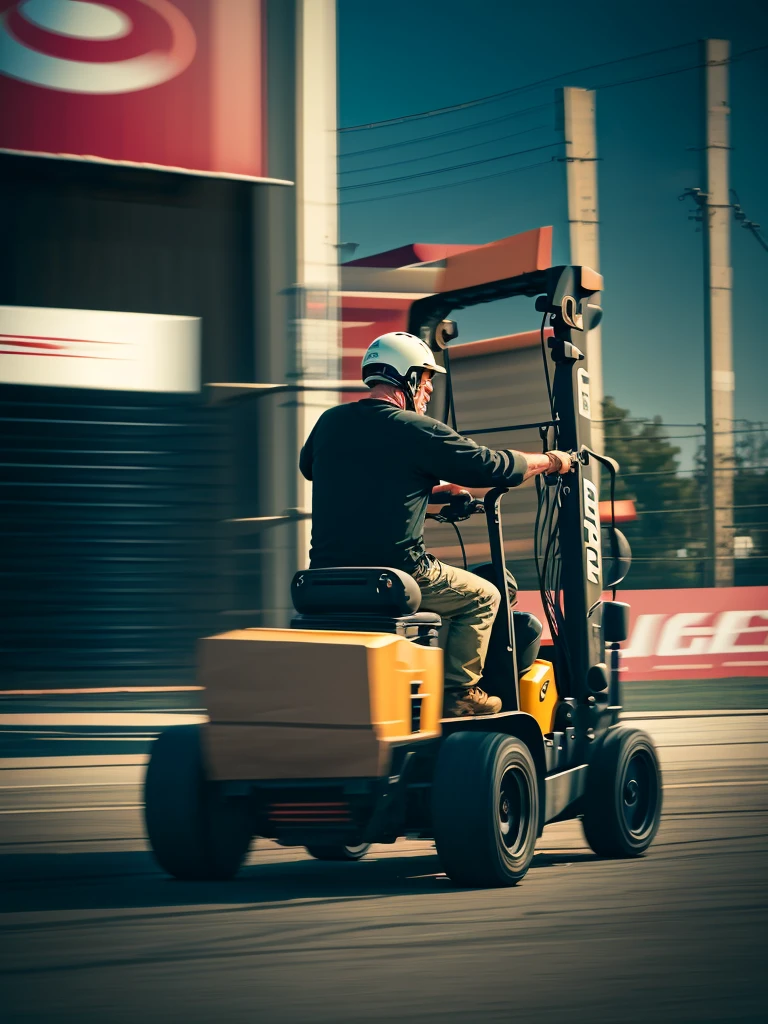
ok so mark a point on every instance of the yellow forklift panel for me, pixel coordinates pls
(538, 694)
(286, 703)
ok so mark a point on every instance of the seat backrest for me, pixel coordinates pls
(366, 590)
(528, 632)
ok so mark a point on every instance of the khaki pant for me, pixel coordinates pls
(468, 604)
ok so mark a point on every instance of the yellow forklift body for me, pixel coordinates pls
(538, 694)
(305, 704)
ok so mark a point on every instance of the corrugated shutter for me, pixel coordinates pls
(497, 390)
(110, 505)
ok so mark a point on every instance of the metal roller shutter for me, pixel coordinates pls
(111, 567)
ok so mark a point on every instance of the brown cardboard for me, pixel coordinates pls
(257, 752)
(248, 680)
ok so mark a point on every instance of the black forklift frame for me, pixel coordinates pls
(568, 298)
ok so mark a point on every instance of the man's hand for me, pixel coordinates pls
(550, 463)
(560, 462)
(448, 490)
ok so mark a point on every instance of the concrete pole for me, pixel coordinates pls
(578, 122)
(718, 285)
(298, 328)
(318, 324)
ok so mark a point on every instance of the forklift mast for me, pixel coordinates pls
(568, 297)
(572, 308)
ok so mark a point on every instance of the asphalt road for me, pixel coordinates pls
(91, 931)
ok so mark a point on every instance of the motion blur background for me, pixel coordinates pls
(208, 165)
(209, 208)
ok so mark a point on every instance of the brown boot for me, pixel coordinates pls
(473, 702)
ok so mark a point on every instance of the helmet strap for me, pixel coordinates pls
(410, 386)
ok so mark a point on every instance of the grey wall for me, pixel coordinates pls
(114, 555)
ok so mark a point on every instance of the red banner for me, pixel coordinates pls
(177, 84)
(689, 634)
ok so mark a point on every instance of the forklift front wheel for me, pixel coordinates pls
(339, 852)
(622, 804)
(485, 808)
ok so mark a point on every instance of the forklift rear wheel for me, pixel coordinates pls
(195, 831)
(339, 852)
(485, 808)
(622, 804)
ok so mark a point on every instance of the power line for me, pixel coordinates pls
(693, 558)
(761, 424)
(454, 167)
(449, 184)
(449, 131)
(466, 181)
(747, 224)
(627, 473)
(445, 152)
(513, 170)
(648, 419)
(679, 71)
(437, 111)
(680, 437)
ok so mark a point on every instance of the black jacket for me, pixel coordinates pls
(373, 466)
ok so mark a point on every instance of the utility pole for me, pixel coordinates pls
(576, 117)
(317, 327)
(296, 297)
(718, 327)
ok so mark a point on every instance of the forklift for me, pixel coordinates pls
(330, 735)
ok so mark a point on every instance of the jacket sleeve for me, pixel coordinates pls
(305, 457)
(449, 456)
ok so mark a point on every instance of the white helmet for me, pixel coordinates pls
(398, 358)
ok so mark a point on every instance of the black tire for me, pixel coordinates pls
(337, 852)
(195, 831)
(485, 808)
(622, 804)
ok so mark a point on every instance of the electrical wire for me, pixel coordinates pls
(681, 437)
(746, 223)
(546, 365)
(687, 472)
(453, 167)
(449, 131)
(610, 85)
(679, 71)
(492, 97)
(445, 152)
(461, 543)
(450, 407)
(449, 184)
(548, 562)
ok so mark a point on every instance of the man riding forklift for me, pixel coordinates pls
(395, 455)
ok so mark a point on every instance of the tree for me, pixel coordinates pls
(750, 499)
(668, 536)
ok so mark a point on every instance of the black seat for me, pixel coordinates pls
(528, 632)
(362, 599)
(372, 590)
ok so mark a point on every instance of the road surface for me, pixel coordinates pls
(92, 932)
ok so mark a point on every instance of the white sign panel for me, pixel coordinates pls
(584, 402)
(89, 348)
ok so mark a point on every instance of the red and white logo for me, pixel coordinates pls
(59, 348)
(97, 48)
(174, 83)
(96, 348)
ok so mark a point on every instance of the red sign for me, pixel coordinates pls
(690, 634)
(363, 318)
(177, 84)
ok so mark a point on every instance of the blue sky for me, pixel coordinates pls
(402, 58)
